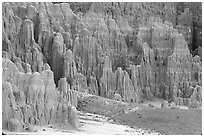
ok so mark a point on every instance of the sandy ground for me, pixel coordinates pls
(90, 124)
(165, 121)
(102, 125)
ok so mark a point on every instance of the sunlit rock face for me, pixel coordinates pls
(32, 98)
(125, 51)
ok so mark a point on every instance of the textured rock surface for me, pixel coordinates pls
(32, 98)
(14, 125)
(196, 98)
(137, 51)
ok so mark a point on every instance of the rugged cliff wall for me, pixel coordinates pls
(33, 99)
(136, 51)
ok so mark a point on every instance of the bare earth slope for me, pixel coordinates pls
(166, 121)
(162, 120)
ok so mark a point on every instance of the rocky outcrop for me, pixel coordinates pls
(57, 56)
(196, 97)
(93, 84)
(128, 89)
(32, 98)
(69, 67)
(117, 97)
(108, 80)
(118, 82)
(9, 107)
(181, 69)
(14, 125)
(136, 50)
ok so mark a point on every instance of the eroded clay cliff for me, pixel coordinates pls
(125, 51)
